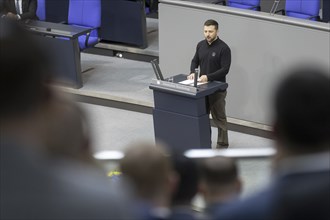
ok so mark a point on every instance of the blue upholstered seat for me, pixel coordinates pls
(245, 4)
(41, 10)
(86, 13)
(305, 9)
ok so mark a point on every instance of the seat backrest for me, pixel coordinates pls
(85, 13)
(306, 7)
(41, 10)
(245, 4)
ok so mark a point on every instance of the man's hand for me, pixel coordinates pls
(12, 16)
(203, 78)
(191, 76)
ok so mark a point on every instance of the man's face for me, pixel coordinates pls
(210, 33)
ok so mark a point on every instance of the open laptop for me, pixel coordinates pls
(157, 70)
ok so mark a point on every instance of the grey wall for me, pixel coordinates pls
(262, 46)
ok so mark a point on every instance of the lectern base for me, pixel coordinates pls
(182, 132)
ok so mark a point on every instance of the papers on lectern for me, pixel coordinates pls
(190, 82)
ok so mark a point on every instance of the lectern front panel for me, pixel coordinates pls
(182, 132)
(180, 104)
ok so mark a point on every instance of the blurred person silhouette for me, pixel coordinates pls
(149, 170)
(300, 189)
(66, 134)
(32, 187)
(19, 9)
(219, 182)
(186, 189)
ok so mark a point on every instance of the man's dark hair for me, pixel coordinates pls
(150, 176)
(218, 170)
(302, 109)
(212, 22)
(24, 71)
(187, 171)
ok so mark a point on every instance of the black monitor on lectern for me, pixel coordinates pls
(157, 70)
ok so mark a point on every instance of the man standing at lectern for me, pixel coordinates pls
(213, 56)
(19, 9)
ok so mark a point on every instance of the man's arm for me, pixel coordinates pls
(194, 64)
(194, 61)
(225, 60)
(32, 11)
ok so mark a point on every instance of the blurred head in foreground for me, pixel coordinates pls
(219, 181)
(302, 111)
(150, 171)
(24, 72)
(31, 110)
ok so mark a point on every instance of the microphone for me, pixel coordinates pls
(196, 76)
